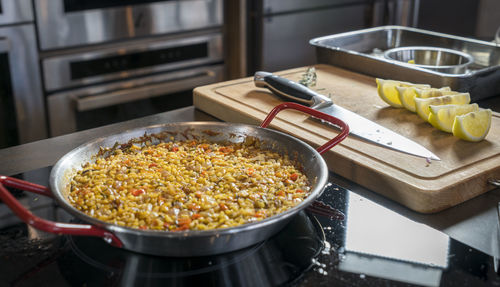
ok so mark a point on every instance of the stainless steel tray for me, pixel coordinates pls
(363, 51)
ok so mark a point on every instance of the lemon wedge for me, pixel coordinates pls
(473, 126)
(422, 104)
(433, 92)
(407, 95)
(442, 117)
(388, 93)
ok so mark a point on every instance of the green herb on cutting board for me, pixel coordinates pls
(309, 77)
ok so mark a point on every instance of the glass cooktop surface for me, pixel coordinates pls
(337, 242)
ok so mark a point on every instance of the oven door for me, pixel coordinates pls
(22, 109)
(122, 60)
(90, 107)
(67, 23)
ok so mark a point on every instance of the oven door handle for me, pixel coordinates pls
(93, 102)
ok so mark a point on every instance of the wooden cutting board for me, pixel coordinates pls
(462, 173)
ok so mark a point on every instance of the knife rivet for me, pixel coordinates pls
(494, 182)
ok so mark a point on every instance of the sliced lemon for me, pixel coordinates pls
(388, 93)
(433, 92)
(442, 117)
(407, 95)
(473, 126)
(422, 104)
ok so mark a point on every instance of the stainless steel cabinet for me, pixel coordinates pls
(279, 30)
(285, 38)
(22, 114)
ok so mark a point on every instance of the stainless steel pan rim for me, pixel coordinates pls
(138, 240)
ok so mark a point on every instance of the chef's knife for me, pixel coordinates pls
(358, 125)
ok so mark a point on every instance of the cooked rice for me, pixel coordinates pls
(192, 184)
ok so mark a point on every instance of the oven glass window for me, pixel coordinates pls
(79, 5)
(91, 68)
(127, 111)
(8, 123)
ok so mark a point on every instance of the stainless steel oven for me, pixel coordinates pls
(105, 84)
(105, 61)
(69, 23)
(22, 114)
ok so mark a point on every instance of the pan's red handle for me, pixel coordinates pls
(315, 113)
(47, 225)
(24, 185)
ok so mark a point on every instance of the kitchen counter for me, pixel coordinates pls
(473, 223)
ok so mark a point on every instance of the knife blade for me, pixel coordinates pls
(359, 126)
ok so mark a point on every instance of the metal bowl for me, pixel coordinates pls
(432, 58)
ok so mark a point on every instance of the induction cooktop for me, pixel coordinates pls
(336, 242)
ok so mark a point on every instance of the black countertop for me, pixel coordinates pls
(367, 240)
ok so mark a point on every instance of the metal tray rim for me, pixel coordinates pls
(317, 43)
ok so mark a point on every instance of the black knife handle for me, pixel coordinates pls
(290, 89)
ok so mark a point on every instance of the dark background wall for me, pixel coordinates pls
(469, 18)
